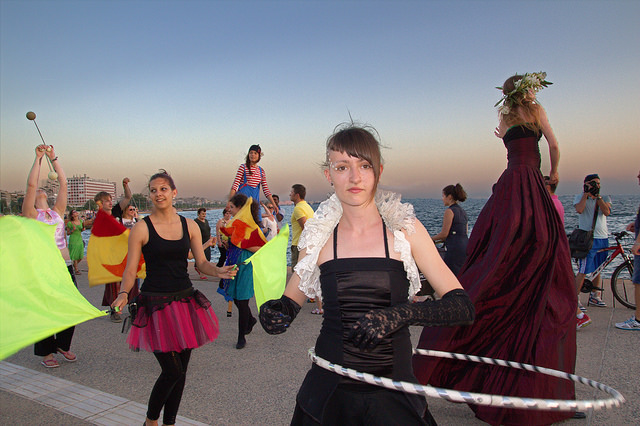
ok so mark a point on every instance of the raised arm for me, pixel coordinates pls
(28, 204)
(127, 194)
(554, 149)
(267, 212)
(279, 215)
(501, 130)
(61, 199)
(605, 207)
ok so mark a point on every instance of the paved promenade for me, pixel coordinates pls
(110, 385)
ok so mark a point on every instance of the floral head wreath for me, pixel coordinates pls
(530, 81)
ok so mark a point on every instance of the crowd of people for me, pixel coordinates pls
(507, 290)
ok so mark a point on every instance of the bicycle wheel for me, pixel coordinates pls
(622, 286)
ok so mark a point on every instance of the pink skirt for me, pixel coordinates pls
(170, 323)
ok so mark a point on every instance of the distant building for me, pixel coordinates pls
(83, 188)
(11, 201)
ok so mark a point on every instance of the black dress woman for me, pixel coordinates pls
(360, 253)
(454, 227)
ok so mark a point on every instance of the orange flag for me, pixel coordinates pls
(242, 230)
(107, 251)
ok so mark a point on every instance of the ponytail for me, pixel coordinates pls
(456, 191)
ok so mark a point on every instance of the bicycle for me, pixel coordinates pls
(621, 284)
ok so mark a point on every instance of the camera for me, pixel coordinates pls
(592, 188)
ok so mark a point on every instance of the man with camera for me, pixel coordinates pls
(585, 205)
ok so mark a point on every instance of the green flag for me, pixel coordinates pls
(37, 295)
(270, 268)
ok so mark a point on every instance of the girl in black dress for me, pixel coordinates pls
(454, 227)
(359, 253)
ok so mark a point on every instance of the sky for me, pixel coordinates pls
(124, 88)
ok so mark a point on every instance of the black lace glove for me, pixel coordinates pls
(455, 308)
(276, 315)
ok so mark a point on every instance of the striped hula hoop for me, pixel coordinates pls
(482, 398)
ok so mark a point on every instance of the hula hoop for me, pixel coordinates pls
(482, 398)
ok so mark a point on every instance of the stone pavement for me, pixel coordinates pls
(109, 384)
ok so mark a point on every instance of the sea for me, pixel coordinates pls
(430, 212)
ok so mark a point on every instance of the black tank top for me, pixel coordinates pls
(351, 287)
(166, 261)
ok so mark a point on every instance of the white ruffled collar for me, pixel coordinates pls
(397, 217)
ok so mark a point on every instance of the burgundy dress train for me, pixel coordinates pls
(518, 274)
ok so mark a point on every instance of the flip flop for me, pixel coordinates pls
(317, 311)
(50, 363)
(69, 356)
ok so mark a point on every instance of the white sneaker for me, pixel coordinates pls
(630, 324)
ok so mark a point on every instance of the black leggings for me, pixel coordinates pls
(244, 317)
(223, 256)
(168, 389)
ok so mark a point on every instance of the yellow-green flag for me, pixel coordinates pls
(270, 268)
(37, 295)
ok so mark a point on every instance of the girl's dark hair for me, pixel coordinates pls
(240, 199)
(246, 159)
(163, 174)
(456, 191)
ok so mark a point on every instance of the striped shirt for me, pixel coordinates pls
(257, 177)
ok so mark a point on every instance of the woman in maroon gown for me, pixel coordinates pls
(518, 275)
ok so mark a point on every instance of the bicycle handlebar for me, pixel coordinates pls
(619, 235)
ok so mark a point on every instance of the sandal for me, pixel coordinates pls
(69, 356)
(50, 363)
(318, 311)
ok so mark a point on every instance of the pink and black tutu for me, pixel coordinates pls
(167, 322)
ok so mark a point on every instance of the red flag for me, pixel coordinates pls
(107, 251)
(242, 230)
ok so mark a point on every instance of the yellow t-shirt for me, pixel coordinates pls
(302, 209)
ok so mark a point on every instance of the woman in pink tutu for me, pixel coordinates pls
(171, 318)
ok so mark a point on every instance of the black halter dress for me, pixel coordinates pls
(351, 287)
